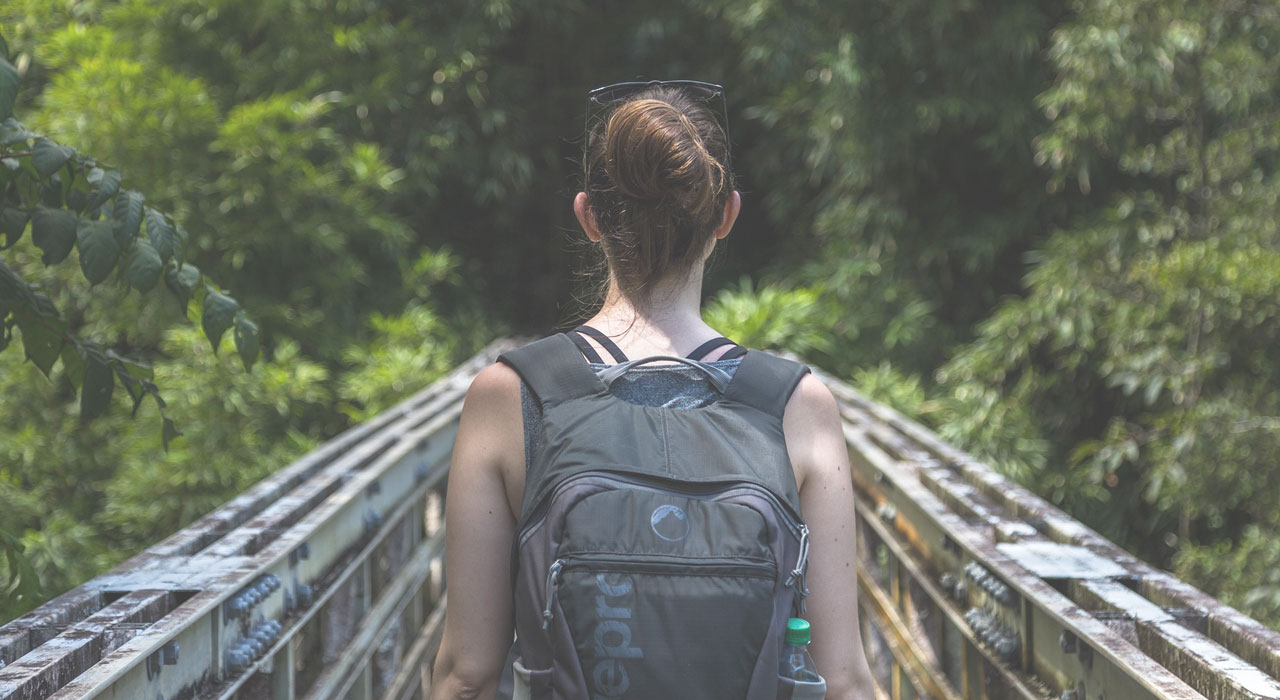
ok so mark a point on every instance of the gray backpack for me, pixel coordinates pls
(660, 551)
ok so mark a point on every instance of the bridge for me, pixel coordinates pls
(326, 581)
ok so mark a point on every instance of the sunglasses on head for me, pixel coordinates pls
(602, 97)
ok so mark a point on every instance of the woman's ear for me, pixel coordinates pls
(586, 219)
(732, 206)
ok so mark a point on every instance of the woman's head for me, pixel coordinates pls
(656, 184)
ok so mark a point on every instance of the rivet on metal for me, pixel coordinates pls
(304, 595)
(1067, 642)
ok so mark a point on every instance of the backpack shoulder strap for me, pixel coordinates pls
(553, 369)
(765, 381)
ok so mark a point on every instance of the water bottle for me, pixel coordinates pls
(797, 665)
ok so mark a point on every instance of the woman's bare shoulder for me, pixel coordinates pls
(814, 434)
(496, 384)
(491, 412)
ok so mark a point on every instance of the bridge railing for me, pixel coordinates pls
(326, 580)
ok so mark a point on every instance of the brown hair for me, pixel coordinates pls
(657, 179)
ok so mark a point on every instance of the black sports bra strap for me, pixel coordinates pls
(620, 357)
(588, 351)
(605, 342)
(702, 350)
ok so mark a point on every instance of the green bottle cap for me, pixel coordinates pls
(797, 632)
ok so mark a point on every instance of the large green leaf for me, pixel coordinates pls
(72, 364)
(163, 237)
(48, 156)
(169, 433)
(182, 278)
(247, 342)
(43, 331)
(105, 186)
(126, 212)
(54, 232)
(50, 192)
(99, 381)
(98, 249)
(219, 313)
(13, 131)
(42, 338)
(13, 289)
(13, 222)
(136, 378)
(144, 266)
(9, 82)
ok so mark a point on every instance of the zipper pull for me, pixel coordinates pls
(797, 575)
(553, 573)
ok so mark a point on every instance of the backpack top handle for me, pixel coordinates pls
(719, 378)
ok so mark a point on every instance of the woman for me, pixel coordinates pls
(658, 195)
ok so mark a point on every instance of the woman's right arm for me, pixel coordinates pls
(479, 525)
(819, 455)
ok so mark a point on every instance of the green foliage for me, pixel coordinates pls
(1048, 230)
(1246, 573)
(79, 498)
(885, 384)
(258, 420)
(771, 316)
(1142, 350)
(64, 195)
(409, 350)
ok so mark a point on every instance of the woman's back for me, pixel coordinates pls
(657, 198)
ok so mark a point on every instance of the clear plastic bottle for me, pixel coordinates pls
(796, 664)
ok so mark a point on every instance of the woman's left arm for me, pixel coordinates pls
(479, 525)
(815, 443)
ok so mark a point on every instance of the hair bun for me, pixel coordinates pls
(654, 152)
(657, 180)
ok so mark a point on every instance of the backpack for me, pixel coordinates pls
(659, 551)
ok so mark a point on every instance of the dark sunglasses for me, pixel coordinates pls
(601, 97)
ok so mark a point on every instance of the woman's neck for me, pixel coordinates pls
(670, 324)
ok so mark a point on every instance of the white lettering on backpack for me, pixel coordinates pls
(613, 637)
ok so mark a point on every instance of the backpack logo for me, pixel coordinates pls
(670, 523)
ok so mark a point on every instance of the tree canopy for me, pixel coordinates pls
(1048, 230)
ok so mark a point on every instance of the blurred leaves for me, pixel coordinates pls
(1047, 230)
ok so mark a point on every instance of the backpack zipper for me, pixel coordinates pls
(553, 574)
(681, 566)
(536, 518)
(799, 575)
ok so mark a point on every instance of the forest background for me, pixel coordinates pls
(1047, 229)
